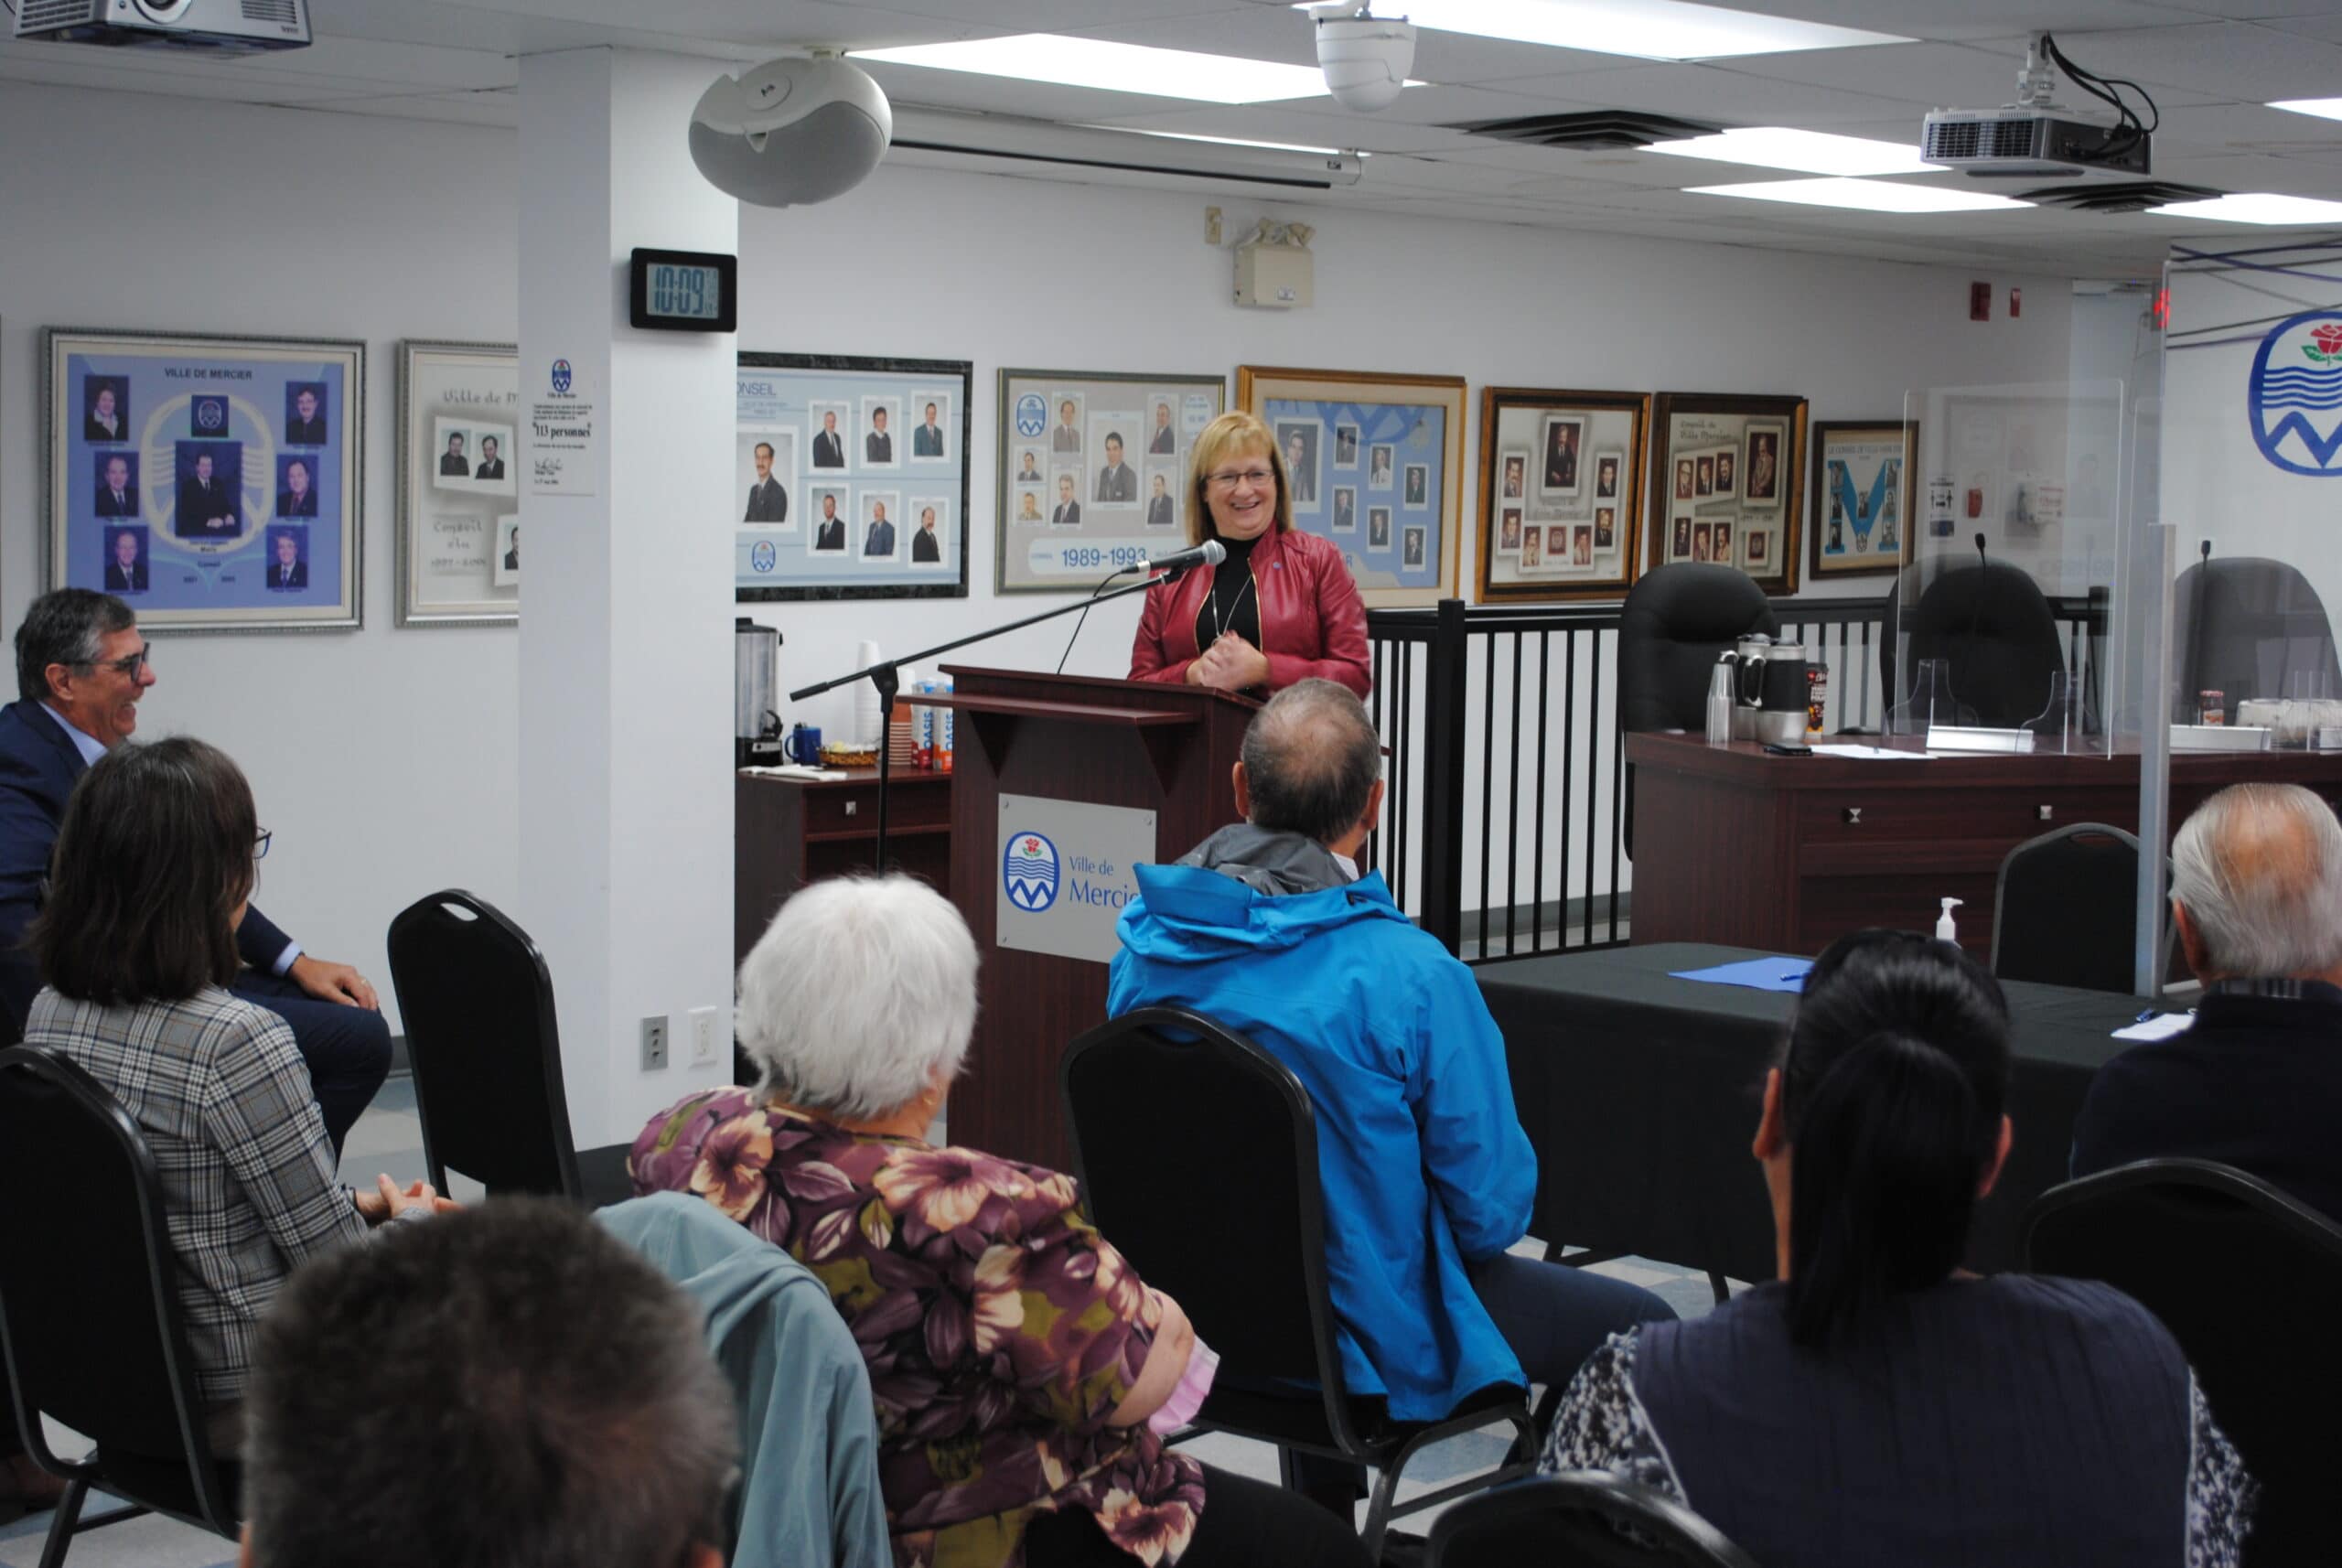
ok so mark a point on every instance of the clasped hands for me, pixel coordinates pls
(1230, 664)
(389, 1200)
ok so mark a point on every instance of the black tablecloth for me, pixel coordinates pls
(1641, 1093)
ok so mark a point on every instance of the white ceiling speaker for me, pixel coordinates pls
(1365, 59)
(791, 132)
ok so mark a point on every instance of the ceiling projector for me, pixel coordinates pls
(791, 131)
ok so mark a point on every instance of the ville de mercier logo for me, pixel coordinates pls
(762, 556)
(2294, 396)
(1028, 871)
(561, 377)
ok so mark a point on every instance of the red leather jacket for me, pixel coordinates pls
(1313, 624)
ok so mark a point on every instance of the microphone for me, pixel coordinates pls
(1984, 575)
(1211, 553)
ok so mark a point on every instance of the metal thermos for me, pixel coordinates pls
(756, 695)
(1747, 660)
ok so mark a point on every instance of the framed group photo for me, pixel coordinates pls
(1864, 485)
(1727, 483)
(1376, 463)
(1561, 492)
(851, 478)
(458, 521)
(1092, 472)
(215, 482)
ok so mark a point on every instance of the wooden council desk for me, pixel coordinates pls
(1788, 853)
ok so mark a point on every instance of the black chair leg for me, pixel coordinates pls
(1718, 1284)
(1378, 1511)
(63, 1523)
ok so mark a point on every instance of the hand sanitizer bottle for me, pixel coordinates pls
(1945, 930)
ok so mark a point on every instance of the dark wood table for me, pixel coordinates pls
(1788, 853)
(789, 832)
(1641, 1093)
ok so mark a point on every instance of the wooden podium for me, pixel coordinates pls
(1135, 744)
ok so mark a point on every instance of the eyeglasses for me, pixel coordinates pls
(260, 844)
(130, 665)
(1229, 478)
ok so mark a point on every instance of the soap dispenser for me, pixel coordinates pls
(1945, 930)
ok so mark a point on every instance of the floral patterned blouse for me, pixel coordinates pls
(1000, 1328)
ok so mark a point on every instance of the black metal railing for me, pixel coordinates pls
(1490, 713)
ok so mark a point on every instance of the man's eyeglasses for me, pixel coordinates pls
(130, 665)
(260, 844)
(1227, 480)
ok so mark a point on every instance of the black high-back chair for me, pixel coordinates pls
(2066, 906)
(477, 1005)
(1211, 1191)
(1673, 624)
(2242, 625)
(1579, 1519)
(2248, 1280)
(90, 1312)
(1992, 625)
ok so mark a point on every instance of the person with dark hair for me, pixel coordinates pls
(81, 668)
(1876, 1403)
(510, 1387)
(1268, 926)
(491, 460)
(156, 863)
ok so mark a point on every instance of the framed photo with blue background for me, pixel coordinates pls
(216, 483)
(850, 478)
(1376, 462)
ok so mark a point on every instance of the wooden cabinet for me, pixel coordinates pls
(789, 832)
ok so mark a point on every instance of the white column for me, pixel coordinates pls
(626, 668)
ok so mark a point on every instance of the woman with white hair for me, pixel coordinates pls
(1024, 1373)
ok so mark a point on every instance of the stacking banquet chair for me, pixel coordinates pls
(1211, 1189)
(2065, 909)
(90, 1311)
(1580, 1519)
(478, 1005)
(1673, 625)
(2248, 1280)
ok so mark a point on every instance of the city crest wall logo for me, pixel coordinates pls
(2294, 398)
(1028, 872)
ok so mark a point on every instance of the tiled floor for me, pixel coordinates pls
(389, 1140)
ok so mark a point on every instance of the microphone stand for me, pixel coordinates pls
(886, 675)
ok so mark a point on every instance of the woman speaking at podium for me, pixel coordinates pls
(1281, 608)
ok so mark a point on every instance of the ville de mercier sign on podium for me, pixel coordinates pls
(1066, 874)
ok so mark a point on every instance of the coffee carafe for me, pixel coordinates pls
(756, 680)
(1747, 658)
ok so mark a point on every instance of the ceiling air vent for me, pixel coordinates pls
(1595, 129)
(2132, 196)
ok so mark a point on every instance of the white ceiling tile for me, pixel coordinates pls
(1933, 75)
(2234, 60)
(1715, 93)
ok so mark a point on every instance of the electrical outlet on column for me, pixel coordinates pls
(704, 1032)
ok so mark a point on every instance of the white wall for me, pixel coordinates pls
(386, 761)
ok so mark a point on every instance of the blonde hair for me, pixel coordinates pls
(1231, 436)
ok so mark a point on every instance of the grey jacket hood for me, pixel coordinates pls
(1268, 861)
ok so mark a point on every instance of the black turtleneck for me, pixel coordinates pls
(1234, 602)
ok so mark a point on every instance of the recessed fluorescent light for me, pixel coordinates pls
(2257, 206)
(1116, 68)
(1809, 152)
(1233, 141)
(1865, 195)
(2323, 108)
(1646, 29)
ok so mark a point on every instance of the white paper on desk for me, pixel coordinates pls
(1873, 754)
(795, 770)
(2162, 1027)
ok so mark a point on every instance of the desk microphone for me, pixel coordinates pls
(1983, 575)
(1211, 553)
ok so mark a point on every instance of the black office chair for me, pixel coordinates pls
(478, 1005)
(2065, 909)
(1226, 1132)
(1991, 626)
(1580, 1519)
(2243, 626)
(1673, 624)
(90, 1312)
(2247, 1278)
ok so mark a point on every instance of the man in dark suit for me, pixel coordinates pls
(453, 463)
(880, 540)
(1067, 436)
(1167, 440)
(829, 452)
(1299, 469)
(117, 497)
(1068, 512)
(1115, 481)
(877, 446)
(125, 572)
(2256, 892)
(925, 546)
(830, 535)
(512, 556)
(205, 506)
(491, 460)
(288, 571)
(768, 500)
(926, 441)
(1158, 506)
(82, 669)
(296, 498)
(1028, 474)
(306, 426)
